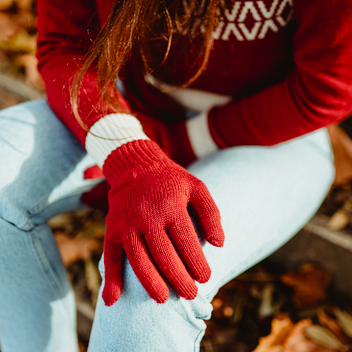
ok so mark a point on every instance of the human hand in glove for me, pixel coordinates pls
(148, 222)
(173, 139)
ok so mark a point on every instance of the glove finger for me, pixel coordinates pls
(207, 215)
(188, 247)
(170, 264)
(114, 259)
(145, 270)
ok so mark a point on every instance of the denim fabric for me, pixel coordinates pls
(265, 195)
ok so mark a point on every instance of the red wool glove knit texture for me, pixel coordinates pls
(148, 221)
(173, 139)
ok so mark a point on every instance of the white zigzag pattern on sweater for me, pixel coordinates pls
(265, 19)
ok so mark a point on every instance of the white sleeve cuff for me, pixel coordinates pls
(110, 132)
(199, 135)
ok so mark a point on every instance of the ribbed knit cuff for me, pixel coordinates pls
(111, 132)
(199, 135)
(131, 155)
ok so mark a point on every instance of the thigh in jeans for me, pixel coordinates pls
(265, 195)
(41, 175)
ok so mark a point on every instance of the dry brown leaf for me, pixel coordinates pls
(344, 319)
(309, 284)
(72, 250)
(62, 221)
(93, 229)
(82, 347)
(298, 342)
(8, 28)
(6, 4)
(93, 279)
(228, 312)
(268, 306)
(281, 326)
(33, 77)
(323, 337)
(24, 19)
(342, 146)
(342, 217)
(21, 42)
(24, 4)
(332, 325)
(339, 220)
(87, 246)
(216, 303)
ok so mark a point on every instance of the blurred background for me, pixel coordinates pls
(19, 78)
(299, 299)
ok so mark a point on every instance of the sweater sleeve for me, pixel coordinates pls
(317, 93)
(66, 32)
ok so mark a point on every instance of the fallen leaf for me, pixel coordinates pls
(339, 220)
(6, 4)
(298, 342)
(281, 327)
(344, 319)
(24, 4)
(93, 280)
(228, 312)
(33, 77)
(332, 325)
(21, 42)
(72, 250)
(82, 346)
(62, 221)
(93, 229)
(342, 147)
(216, 303)
(8, 28)
(24, 19)
(323, 337)
(268, 306)
(309, 284)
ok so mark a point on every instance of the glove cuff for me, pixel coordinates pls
(131, 155)
(110, 132)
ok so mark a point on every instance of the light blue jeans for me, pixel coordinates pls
(265, 195)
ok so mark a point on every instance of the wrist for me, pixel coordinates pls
(111, 132)
(130, 156)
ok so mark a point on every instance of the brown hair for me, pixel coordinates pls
(143, 24)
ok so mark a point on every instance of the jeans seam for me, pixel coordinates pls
(197, 341)
(58, 289)
(42, 204)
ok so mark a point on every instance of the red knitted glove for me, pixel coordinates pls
(172, 139)
(148, 221)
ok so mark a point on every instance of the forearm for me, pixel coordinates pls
(66, 33)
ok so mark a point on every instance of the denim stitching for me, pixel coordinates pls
(197, 342)
(50, 275)
(44, 264)
(39, 206)
(42, 204)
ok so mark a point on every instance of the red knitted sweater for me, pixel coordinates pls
(286, 66)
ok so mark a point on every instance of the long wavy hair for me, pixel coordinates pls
(146, 25)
